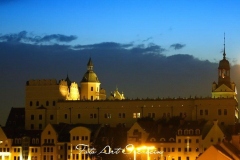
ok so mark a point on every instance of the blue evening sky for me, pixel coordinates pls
(199, 25)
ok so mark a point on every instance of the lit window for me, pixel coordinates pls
(108, 115)
(136, 115)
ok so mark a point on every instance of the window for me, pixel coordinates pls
(151, 115)
(179, 132)
(54, 103)
(211, 140)
(47, 103)
(190, 141)
(206, 112)
(30, 103)
(185, 140)
(93, 115)
(40, 117)
(32, 117)
(51, 117)
(79, 116)
(40, 126)
(219, 112)
(197, 140)
(121, 115)
(86, 138)
(107, 115)
(32, 126)
(91, 88)
(37, 103)
(197, 131)
(136, 115)
(49, 132)
(179, 158)
(190, 132)
(201, 112)
(185, 132)
(197, 149)
(173, 149)
(179, 149)
(91, 97)
(185, 149)
(225, 111)
(219, 139)
(65, 116)
(179, 140)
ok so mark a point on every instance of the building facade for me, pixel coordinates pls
(49, 101)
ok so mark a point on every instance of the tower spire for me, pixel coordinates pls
(224, 53)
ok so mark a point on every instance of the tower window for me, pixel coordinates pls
(51, 117)
(219, 112)
(225, 111)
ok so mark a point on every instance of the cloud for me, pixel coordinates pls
(24, 37)
(104, 45)
(58, 38)
(177, 46)
(149, 38)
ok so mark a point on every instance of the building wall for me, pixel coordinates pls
(115, 112)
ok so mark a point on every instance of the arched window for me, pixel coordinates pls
(152, 140)
(190, 132)
(197, 131)
(171, 139)
(33, 141)
(179, 132)
(162, 140)
(37, 141)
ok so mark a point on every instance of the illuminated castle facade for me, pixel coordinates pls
(49, 101)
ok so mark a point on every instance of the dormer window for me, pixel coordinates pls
(179, 132)
(171, 139)
(197, 131)
(162, 140)
(185, 132)
(152, 140)
(190, 132)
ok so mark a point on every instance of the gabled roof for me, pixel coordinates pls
(63, 130)
(16, 118)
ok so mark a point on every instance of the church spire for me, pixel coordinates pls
(224, 53)
(90, 65)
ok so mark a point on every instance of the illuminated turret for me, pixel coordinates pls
(224, 88)
(90, 85)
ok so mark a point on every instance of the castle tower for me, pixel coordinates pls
(224, 88)
(90, 85)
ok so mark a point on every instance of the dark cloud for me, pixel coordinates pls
(104, 45)
(177, 46)
(58, 38)
(149, 38)
(24, 37)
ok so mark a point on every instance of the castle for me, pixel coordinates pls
(49, 101)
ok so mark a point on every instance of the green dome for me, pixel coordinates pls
(90, 76)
